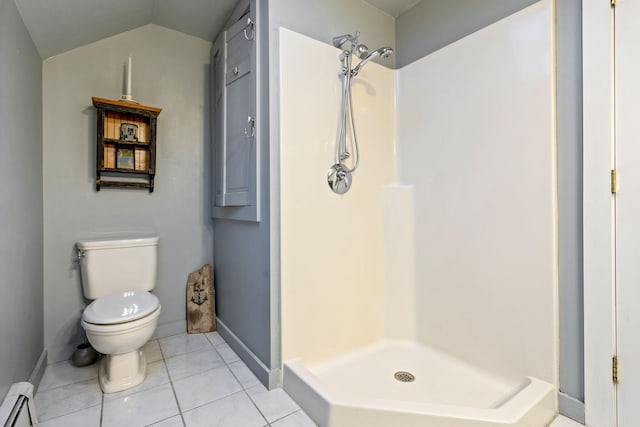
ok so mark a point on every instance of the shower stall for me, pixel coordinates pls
(425, 295)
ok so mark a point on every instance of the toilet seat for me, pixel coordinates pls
(120, 328)
(121, 308)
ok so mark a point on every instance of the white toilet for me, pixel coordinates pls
(118, 275)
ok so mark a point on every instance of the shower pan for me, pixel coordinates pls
(393, 382)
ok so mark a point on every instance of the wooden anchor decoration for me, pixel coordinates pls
(201, 316)
(199, 291)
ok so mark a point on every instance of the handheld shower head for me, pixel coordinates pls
(383, 52)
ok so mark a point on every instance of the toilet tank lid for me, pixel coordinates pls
(121, 307)
(118, 243)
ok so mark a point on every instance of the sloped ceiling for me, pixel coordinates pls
(394, 8)
(57, 26)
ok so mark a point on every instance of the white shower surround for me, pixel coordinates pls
(476, 138)
(456, 251)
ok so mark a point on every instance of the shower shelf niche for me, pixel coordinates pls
(125, 144)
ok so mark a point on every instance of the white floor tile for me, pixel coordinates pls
(211, 385)
(243, 374)
(169, 422)
(227, 353)
(65, 373)
(297, 419)
(184, 343)
(232, 411)
(64, 400)
(274, 404)
(140, 409)
(152, 351)
(156, 375)
(89, 417)
(214, 338)
(562, 421)
(193, 363)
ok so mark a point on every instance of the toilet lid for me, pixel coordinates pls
(120, 308)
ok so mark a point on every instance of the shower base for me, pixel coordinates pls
(373, 387)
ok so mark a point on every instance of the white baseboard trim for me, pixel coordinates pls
(271, 378)
(38, 370)
(571, 407)
(169, 329)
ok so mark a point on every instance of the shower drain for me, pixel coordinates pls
(404, 376)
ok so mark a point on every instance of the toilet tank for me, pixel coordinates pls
(113, 266)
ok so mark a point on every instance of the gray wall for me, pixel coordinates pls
(241, 249)
(21, 297)
(170, 71)
(432, 24)
(325, 19)
(569, 137)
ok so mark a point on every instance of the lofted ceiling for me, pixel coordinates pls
(57, 26)
(394, 8)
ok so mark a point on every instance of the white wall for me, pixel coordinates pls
(476, 138)
(399, 245)
(170, 70)
(331, 245)
(321, 20)
(21, 326)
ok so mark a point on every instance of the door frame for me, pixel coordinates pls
(598, 212)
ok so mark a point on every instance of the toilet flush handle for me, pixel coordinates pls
(81, 254)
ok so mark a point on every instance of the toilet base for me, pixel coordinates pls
(122, 371)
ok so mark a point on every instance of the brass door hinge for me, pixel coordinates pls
(615, 369)
(614, 181)
(613, 3)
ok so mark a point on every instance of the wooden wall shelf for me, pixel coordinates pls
(129, 160)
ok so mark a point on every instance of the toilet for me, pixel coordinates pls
(118, 276)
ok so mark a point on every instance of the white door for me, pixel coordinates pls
(627, 209)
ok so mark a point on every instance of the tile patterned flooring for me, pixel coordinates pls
(192, 381)
(565, 422)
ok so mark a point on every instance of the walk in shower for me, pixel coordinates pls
(425, 295)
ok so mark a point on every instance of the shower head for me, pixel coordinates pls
(383, 52)
(359, 49)
(340, 40)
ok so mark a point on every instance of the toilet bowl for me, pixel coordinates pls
(118, 276)
(118, 326)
